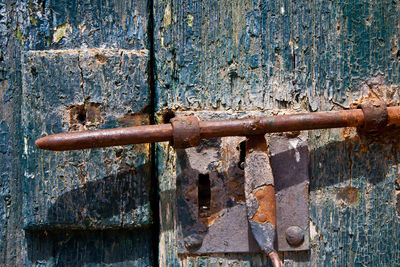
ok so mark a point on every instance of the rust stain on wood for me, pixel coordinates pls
(133, 119)
(348, 194)
(85, 116)
(101, 58)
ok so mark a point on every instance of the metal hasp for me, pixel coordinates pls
(276, 189)
(223, 179)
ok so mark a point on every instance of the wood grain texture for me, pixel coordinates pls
(272, 54)
(109, 187)
(217, 55)
(122, 248)
(68, 90)
(290, 56)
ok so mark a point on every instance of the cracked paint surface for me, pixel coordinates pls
(54, 104)
(32, 26)
(224, 55)
(279, 56)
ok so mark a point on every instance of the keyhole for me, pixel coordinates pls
(242, 156)
(204, 195)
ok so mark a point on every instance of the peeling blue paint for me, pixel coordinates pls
(297, 56)
(4, 137)
(224, 55)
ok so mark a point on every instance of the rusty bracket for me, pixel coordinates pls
(375, 116)
(210, 198)
(186, 132)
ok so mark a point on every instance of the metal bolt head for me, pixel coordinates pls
(294, 236)
(193, 241)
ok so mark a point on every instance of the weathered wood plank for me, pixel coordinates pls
(55, 24)
(122, 248)
(271, 54)
(11, 239)
(353, 207)
(68, 90)
(46, 25)
(297, 56)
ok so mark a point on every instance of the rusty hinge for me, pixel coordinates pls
(276, 179)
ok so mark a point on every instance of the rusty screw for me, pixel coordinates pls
(193, 241)
(294, 236)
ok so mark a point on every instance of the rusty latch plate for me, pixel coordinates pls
(289, 162)
(211, 198)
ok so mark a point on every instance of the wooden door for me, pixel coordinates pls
(71, 65)
(292, 56)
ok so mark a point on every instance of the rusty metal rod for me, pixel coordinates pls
(275, 260)
(209, 129)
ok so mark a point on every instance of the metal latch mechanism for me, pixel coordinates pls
(275, 179)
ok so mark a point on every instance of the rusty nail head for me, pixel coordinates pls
(193, 241)
(294, 235)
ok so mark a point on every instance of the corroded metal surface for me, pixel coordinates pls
(106, 138)
(375, 115)
(260, 196)
(186, 132)
(294, 236)
(211, 200)
(210, 129)
(289, 164)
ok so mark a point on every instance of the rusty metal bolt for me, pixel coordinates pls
(193, 241)
(294, 236)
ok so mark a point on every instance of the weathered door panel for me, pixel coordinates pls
(69, 90)
(73, 65)
(109, 188)
(288, 56)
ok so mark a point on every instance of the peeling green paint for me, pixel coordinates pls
(189, 20)
(167, 15)
(61, 31)
(20, 36)
(92, 74)
(58, 26)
